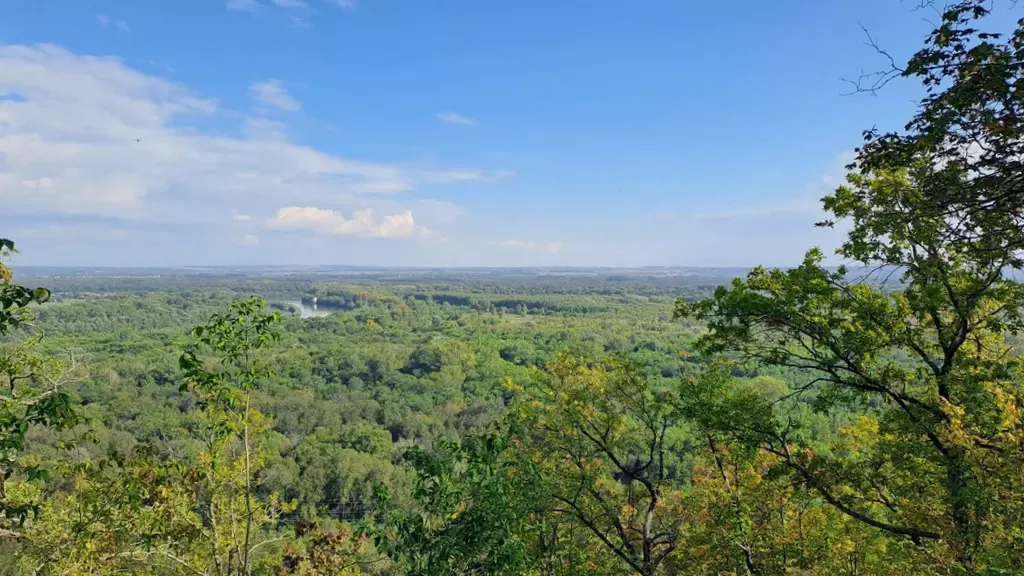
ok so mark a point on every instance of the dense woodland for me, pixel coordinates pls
(812, 420)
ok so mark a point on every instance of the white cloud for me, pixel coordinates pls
(241, 217)
(454, 176)
(361, 223)
(398, 225)
(301, 11)
(107, 21)
(456, 118)
(247, 240)
(439, 210)
(264, 129)
(90, 136)
(299, 21)
(242, 5)
(272, 93)
(548, 247)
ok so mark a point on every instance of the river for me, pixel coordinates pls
(306, 311)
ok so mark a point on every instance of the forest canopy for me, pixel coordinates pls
(813, 420)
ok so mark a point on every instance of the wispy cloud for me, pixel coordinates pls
(361, 223)
(107, 21)
(464, 175)
(70, 232)
(241, 217)
(775, 232)
(247, 240)
(243, 5)
(548, 247)
(90, 136)
(807, 202)
(258, 128)
(299, 21)
(456, 118)
(272, 93)
(300, 10)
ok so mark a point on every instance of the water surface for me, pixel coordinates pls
(307, 311)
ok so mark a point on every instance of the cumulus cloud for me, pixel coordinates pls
(361, 223)
(272, 93)
(548, 247)
(89, 135)
(456, 118)
(241, 217)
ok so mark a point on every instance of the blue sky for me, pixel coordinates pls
(433, 133)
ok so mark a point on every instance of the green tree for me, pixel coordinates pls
(603, 439)
(237, 522)
(471, 514)
(967, 126)
(207, 516)
(752, 515)
(942, 460)
(32, 393)
(928, 364)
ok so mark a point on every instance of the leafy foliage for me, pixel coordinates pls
(471, 513)
(814, 420)
(32, 394)
(607, 437)
(929, 363)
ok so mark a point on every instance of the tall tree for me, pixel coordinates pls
(236, 521)
(928, 364)
(604, 439)
(967, 126)
(206, 516)
(32, 392)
